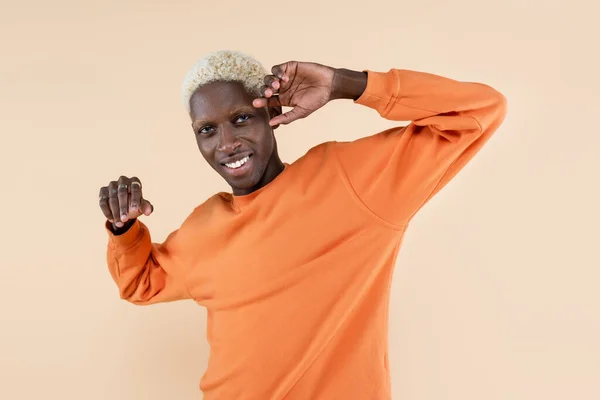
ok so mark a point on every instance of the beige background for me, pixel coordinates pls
(496, 291)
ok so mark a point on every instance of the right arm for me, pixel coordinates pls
(145, 272)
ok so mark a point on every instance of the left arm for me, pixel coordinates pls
(395, 172)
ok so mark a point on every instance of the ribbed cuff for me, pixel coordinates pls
(127, 239)
(382, 88)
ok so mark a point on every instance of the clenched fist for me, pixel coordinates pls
(122, 201)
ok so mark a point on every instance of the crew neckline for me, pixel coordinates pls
(241, 201)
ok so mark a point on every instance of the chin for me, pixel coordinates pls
(245, 184)
(246, 177)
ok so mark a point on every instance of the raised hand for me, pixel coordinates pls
(304, 86)
(122, 201)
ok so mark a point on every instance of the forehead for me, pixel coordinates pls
(218, 99)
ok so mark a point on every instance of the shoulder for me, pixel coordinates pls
(317, 164)
(314, 157)
(213, 205)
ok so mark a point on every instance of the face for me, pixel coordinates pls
(234, 137)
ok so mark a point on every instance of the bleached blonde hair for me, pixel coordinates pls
(223, 66)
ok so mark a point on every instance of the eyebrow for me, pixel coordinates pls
(197, 122)
(244, 108)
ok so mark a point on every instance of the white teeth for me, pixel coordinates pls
(238, 163)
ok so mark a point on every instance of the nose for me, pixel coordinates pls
(228, 141)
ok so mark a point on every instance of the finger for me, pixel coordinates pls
(103, 200)
(135, 195)
(113, 202)
(146, 207)
(267, 102)
(123, 196)
(272, 82)
(281, 71)
(287, 117)
(267, 91)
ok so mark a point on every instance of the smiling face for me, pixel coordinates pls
(234, 137)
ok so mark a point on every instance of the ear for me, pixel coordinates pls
(273, 112)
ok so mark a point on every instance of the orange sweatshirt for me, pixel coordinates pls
(296, 276)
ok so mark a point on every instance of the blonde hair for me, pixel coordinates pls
(223, 66)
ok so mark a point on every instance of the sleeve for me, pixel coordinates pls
(395, 172)
(146, 272)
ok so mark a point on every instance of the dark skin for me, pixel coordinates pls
(235, 130)
(228, 127)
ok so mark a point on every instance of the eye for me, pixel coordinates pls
(242, 118)
(205, 130)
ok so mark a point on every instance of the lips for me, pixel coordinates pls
(237, 165)
(235, 158)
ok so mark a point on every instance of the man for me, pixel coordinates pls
(294, 265)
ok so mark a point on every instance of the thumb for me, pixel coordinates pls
(146, 207)
(288, 117)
